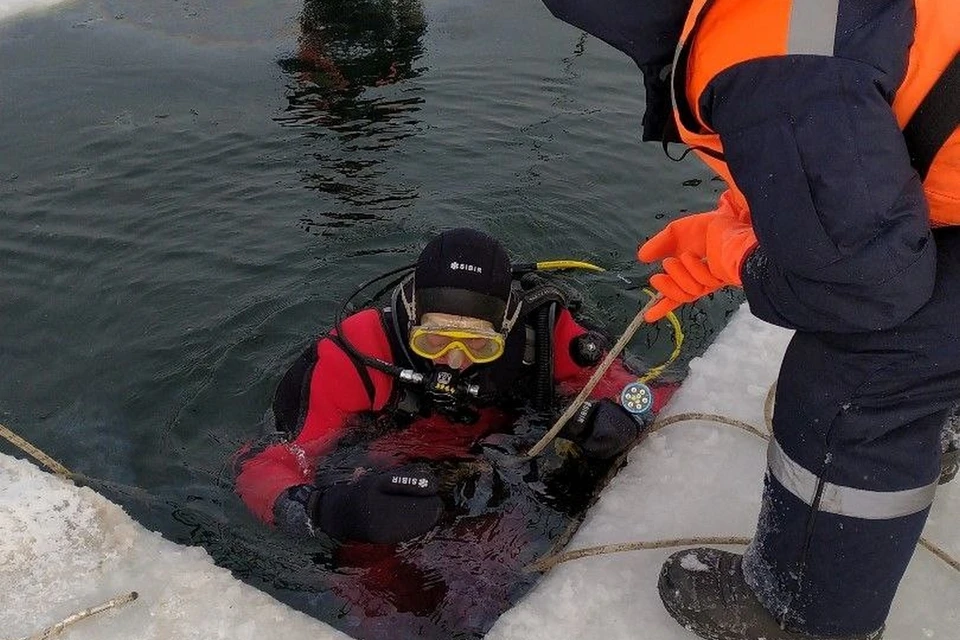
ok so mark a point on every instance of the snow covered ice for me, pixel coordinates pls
(11, 8)
(65, 548)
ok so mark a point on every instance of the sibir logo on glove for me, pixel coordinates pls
(423, 483)
(584, 412)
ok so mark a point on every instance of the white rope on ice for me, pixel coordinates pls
(53, 630)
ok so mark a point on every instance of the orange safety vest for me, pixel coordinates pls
(733, 31)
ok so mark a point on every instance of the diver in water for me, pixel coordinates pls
(465, 345)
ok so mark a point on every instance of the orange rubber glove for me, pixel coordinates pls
(701, 253)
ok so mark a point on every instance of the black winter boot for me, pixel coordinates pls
(949, 465)
(704, 590)
(950, 446)
(950, 449)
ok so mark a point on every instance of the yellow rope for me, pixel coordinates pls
(34, 452)
(654, 372)
(708, 417)
(592, 382)
(940, 553)
(548, 562)
(50, 632)
(768, 406)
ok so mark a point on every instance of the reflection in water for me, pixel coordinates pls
(352, 44)
(349, 55)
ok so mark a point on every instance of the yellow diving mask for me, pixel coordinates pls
(479, 345)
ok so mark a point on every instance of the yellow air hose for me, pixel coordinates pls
(554, 265)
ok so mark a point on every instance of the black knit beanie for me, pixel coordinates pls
(463, 272)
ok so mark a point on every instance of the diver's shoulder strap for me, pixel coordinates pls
(358, 365)
(355, 337)
(536, 290)
(292, 396)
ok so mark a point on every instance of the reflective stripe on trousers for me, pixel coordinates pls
(841, 500)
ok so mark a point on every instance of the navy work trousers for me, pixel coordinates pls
(854, 461)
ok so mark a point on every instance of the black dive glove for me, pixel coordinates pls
(602, 428)
(381, 507)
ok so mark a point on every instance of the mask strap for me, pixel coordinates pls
(411, 304)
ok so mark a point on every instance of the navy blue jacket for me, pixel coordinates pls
(812, 142)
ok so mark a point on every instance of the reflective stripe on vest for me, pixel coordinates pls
(719, 34)
(841, 500)
(813, 27)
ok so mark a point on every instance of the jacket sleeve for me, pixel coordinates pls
(337, 393)
(812, 143)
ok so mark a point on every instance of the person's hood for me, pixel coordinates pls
(645, 30)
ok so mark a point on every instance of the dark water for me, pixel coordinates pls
(187, 189)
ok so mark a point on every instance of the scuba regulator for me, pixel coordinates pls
(444, 389)
(449, 395)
